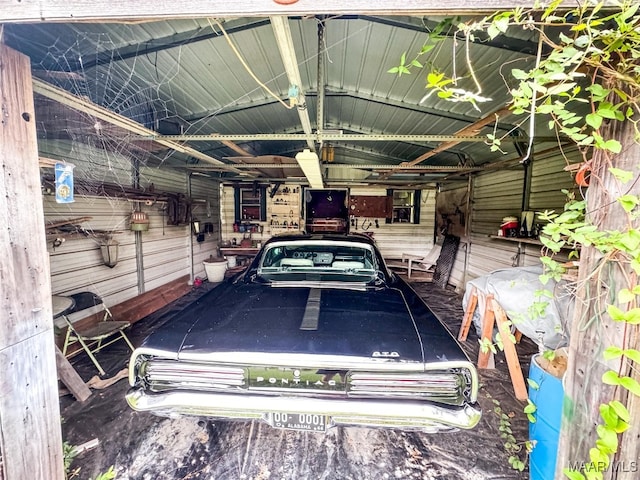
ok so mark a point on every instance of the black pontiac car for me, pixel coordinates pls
(316, 332)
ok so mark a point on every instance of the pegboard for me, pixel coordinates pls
(371, 206)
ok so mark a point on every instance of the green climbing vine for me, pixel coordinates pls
(586, 78)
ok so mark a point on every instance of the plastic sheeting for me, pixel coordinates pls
(515, 290)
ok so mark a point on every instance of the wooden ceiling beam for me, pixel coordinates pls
(472, 130)
(136, 10)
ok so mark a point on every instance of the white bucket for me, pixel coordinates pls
(215, 271)
(231, 260)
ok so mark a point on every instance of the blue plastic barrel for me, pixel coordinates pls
(545, 431)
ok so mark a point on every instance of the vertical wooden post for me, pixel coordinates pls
(592, 330)
(30, 435)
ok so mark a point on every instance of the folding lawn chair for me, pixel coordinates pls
(95, 337)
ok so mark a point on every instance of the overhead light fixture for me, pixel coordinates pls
(310, 165)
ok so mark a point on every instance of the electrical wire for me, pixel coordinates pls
(247, 68)
(532, 114)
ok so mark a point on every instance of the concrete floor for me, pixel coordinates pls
(142, 446)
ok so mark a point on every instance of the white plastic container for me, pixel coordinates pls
(215, 270)
(231, 260)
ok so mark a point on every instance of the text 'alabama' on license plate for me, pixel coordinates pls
(298, 421)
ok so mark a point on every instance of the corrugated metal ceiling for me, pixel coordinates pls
(184, 77)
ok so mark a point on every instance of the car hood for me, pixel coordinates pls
(372, 323)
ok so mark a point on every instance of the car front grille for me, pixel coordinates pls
(443, 387)
(163, 375)
(447, 386)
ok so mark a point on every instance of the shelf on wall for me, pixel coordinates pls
(283, 207)
(530, 241)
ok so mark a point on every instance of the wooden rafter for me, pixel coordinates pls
(469, 131)
(472, 130)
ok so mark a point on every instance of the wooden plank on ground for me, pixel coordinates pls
(70, 378)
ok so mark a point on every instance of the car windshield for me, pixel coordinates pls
(318, 260)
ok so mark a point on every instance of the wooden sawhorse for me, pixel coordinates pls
(493, 315)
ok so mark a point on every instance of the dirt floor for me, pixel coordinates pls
(141, 446)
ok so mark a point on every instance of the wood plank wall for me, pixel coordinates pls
(30, 434)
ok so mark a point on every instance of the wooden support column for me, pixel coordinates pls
(30, 434)
(592, 330)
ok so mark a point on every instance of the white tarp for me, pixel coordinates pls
(515, 290)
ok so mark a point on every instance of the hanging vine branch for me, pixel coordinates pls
(586, 82)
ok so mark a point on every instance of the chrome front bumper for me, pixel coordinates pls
(413, 415)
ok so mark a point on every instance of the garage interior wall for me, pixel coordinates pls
(498, 194)
(393, 239)
(166, 250)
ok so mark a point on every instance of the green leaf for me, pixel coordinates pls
(628, 202)
(608, 441)
(631, 384)
(628, 12)
(493, 31)
(609, 415)
(416, 63)
(599, 458)
(622, 175)
(611, 378)
(427, 47)
(502, 23)
(598, 91)
(612, 352)
(631, 316)
(612, 145)
(607, 110)
(615, 313)
(533, 384)
(632, 354)
(620, 410)
(625, 296)
(551, 8)
(572, 474)
(593, 120)
(433, 78)
(561, 88)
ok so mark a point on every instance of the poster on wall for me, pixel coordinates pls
(64, 182)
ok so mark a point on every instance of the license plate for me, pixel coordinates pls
(298, 421)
